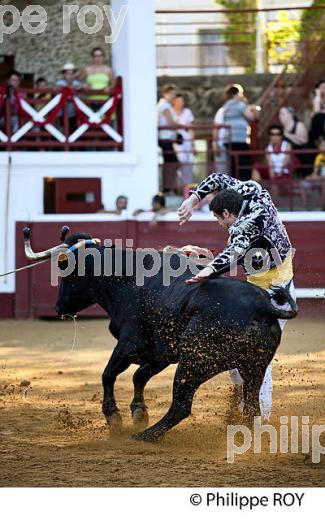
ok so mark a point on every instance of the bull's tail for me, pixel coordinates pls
(282, 296)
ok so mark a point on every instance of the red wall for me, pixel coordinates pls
(36, 298)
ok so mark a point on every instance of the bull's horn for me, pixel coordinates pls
(64, 231)
(43, 254)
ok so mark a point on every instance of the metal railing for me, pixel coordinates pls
(293, 190)
(61, 119)
(227, 41)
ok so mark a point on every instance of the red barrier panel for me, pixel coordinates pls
(36, 298)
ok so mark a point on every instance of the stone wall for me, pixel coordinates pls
(45, 54)
(205, 94)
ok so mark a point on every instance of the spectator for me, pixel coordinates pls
(13, 82)
(317, 179)
(166, 138)
(277, 167)
(158, 207)
(294, 130)
(42, 97)
(97, 76)
(121, 204)
(238, 114)
(69, 80)
(296, 134)
(317, 128)
(219, 137)
(184, 145)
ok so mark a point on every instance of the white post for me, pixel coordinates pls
(260, 24)
(134, 58)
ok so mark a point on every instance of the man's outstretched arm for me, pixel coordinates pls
(215, 182)
(225, 260)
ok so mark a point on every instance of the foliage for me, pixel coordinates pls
(240, 33)
(313, 21)
(282, 36)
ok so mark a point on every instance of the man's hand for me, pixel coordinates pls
(186, 209)
(201, 277)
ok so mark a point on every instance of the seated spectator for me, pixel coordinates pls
(184, 145)
(317, 179)
(121, 204)
(42, 97)
(278, 161)
(13, 82)
(69, 79)
(158, 207)
(97, 76)
(317, 127)
(294, 130)
(296, 134)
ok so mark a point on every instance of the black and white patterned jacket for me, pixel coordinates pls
(258, 227)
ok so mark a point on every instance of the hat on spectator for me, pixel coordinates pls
(68, 66)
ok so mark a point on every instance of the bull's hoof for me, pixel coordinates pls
(248, 419)
(140, 417)
(146, 437)
(114, 422)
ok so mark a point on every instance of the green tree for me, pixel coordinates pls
(240, 32)
(312, 29)
(282, 37)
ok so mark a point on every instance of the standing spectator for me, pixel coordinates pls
(296, 134)
(42, 97)
(13, 82)
(317, 128)
(220, 137)
(166, 138)
(184, 145)
(317, 179)
(69, 80)
(238, 114)
(97, 76)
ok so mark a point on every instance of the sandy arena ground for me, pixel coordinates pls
(52, 432)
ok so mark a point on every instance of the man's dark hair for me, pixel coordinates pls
(275, 127)
(227, 199)
(13, 73)
(159, 199)
(231, 92)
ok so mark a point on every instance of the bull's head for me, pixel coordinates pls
(75, 291)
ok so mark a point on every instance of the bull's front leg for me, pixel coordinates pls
(188, 377)
(117, 364)
(140, 378)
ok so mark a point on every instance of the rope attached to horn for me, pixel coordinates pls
(24, 268)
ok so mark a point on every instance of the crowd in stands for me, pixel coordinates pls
(284, 157)
(95, 76)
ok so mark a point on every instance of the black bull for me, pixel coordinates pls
(220, 325)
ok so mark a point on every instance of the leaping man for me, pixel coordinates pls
(256, 232)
